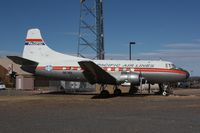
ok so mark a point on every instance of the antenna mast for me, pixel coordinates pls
(91, 34)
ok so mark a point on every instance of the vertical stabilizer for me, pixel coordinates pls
(34, 45)
(34, 37)
(36, 50)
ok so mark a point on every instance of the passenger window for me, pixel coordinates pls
(170, 66)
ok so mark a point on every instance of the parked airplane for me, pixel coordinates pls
(39, 59)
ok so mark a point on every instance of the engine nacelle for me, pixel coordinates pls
(130, 77)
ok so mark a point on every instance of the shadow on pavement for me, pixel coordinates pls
(94, 95)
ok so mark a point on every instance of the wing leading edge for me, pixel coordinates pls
(95, 74)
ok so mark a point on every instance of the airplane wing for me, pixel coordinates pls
(95, 74)
(27, 65)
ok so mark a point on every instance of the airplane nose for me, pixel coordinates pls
(187, 74)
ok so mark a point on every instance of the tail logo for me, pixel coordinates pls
(34, 42)
(48, 67)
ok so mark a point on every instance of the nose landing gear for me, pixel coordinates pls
(165, 89)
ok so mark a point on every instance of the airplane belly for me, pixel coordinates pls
(62, 75)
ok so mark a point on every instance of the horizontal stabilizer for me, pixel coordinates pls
(22, 61)
(26, 65)
(95, 74)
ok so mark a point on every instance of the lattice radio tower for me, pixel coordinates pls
(91, 34)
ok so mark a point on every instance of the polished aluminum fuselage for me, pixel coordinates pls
(152, 77)
(152, 74)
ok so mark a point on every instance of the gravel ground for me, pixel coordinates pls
(22, 112)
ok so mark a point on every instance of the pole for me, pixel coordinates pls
(131, 43)
(129, 51)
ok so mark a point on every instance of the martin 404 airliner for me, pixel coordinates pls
(40, 60)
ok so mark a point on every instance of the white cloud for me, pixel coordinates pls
(183, 45)
(197, 40)
(173, 53)
(186, 55)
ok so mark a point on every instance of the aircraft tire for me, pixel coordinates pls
(117, 92)
(104, 94)
(164, 93)
(133, 90)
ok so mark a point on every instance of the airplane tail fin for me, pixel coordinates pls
(34, 45)
(34, 37)
(36, 50)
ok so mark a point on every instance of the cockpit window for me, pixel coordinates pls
(170, 66)
(173, 66)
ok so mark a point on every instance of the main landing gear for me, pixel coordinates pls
(165, 89)
(117, 91)
(105, 93)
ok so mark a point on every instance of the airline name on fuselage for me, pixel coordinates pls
(127, 65)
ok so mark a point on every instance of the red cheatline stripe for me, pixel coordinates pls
(33, 40)
(119, 69)
(68, 68)
(75, 68)
(112, 68)
(40, 68)
(57, 68)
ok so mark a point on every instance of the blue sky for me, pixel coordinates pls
(166, 29)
